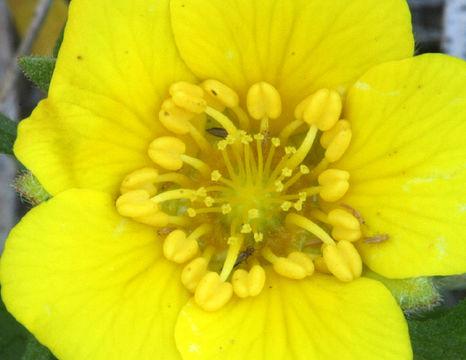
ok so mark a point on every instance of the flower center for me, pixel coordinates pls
(231, 198)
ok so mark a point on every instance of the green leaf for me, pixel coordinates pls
(38, 69)
(412, 295)
(8, 130)
(13, 336)
(36, 351)
(440, 334)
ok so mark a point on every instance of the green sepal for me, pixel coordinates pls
(440, 334)
(413, 295)
(38, 69)
(8, 130)
(36, 351)
(30, 189)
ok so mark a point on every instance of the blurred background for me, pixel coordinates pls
(32, 27)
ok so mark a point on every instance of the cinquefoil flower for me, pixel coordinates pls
(222, 170)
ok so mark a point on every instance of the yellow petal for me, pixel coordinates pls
(407, 165)
(317, 318)
(297, 46)
(115, 66)
(90, 284)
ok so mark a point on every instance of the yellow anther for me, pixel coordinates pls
(290, 150)
(279, 186)
(327, 136)
(304, 169)
(298, 205)
(275, 141)
(258, 237)
(189, 102)
(191, 212)
(338, 146)
(158, 219)
(179, 248)
(297, 266)
(287, 172)
(221, 92)
(321, 266)
(193, 272)
(136, 203)
(302, 195)
(222, 144)
(215, 175)
(230, 139)
(253, 213)
(248, 283)
(140, 179)
(345, 225)
(187, 88)
(226, 209)
(245, 138)
(246, 229)
(286, 205)
(212, 293)
(166, 152)
(233, 240)
(299, 109)
(263, 101)
(259, 137)
(334, 184)
(201, 192)
(175, 118)
(209, 201)
(342, 260)
(323, 109)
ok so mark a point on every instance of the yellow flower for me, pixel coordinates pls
(222, 169)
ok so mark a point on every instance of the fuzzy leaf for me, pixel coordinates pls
(36, 351)
(13, 336)
(7, 134)
(38, 69)
(440, 334)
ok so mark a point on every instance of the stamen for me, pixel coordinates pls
(263, 102)
(334, 184)
(345, 225)
(176, 178)
(136, 203)
(342, 260)
(323, 109)
(222, 120)
(306, 224)
(221, 92)
(179, 248)
(212, 293)
(174, 195)
(297, 265)
(304, 148)
(250, 283)
(289, 129)
(235, 243)
(166, 152)
(142, 179)
(338, 145)
(194, 271)
(199, 165)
